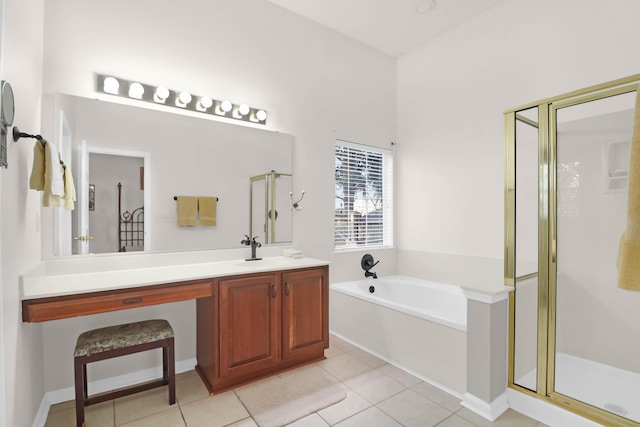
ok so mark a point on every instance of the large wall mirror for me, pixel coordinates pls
(157, 156)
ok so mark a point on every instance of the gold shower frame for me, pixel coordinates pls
(547, 216)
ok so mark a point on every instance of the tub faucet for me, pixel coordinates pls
(254, 245)
(367, 264)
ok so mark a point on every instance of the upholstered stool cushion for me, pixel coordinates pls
(122, 336)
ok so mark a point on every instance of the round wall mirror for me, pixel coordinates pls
(8, 106)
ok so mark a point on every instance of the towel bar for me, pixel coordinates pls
(176, 198)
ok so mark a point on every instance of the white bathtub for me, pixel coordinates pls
(417, 324)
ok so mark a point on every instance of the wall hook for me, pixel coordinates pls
(296, 205)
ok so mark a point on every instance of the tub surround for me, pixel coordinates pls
(487, 344)
(483, 385)
(389, 327)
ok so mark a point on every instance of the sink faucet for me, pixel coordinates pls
(254, 245)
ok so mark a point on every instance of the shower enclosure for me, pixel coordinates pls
(574, 334)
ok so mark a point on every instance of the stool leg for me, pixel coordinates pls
(80, 370)
(165, 362)
(171, 365)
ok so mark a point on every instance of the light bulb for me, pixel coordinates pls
(226, 106)
(183, 99)
(162, 93)
(261, 115)
(111, 85)
(206, 102)
(243, 109)
(136, 90)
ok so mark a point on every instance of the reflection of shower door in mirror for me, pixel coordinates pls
(573, 331)
(597, 350)
(270, 207)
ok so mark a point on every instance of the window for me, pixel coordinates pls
(364, 196)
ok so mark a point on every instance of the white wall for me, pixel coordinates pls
(314, 84)
(22, 67)
(453, 90)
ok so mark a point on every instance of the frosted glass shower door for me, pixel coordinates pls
(597, 325)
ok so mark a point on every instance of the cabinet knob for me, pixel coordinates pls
(274, 291)
(287, 288)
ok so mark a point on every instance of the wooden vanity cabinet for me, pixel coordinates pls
(248, 324)
(305, 308)
(261, 324)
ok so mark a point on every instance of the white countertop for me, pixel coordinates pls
(87, 274)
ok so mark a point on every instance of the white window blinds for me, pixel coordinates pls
(363, 196)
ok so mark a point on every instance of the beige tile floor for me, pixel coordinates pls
(377, 394)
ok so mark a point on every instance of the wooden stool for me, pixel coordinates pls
(114, 341)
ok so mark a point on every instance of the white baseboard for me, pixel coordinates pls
(490, 411)
(113, 383)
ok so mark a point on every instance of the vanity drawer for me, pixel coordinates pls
(39, 310)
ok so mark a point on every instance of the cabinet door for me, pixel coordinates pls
(248, 324)
(305, 313)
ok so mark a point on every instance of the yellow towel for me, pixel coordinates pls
(187, 211)
(207, 207)
(629, 253)
(69, 189)
(36, 181)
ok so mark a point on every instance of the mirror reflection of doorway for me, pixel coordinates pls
(100, 211)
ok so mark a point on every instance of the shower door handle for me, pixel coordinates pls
(553, 251)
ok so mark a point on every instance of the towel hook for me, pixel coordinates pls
(296, 205)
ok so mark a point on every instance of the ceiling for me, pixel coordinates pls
(391, 26)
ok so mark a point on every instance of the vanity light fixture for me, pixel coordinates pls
(179, 99)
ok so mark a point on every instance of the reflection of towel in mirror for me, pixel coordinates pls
(187, 211)
(69, 189)
(207, 207)
(629, 253)
(36, 181)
